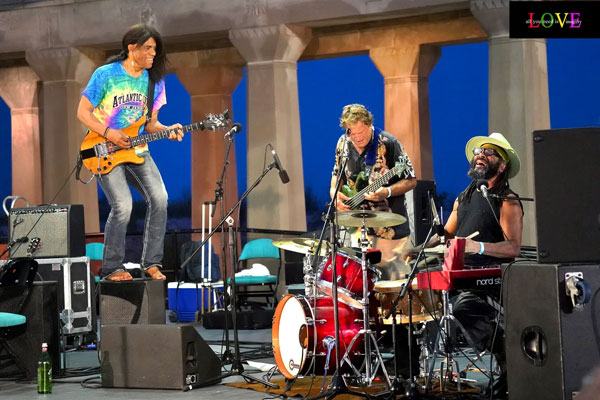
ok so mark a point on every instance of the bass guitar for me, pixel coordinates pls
(100, 156)
(357, 195)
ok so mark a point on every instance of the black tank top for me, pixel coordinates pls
(473, 215)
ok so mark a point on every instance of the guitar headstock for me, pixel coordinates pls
(212, 122)
(401, 165)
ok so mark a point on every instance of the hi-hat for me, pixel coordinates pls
(302, 245)
(372, 219)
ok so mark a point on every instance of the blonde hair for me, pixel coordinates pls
(352, 113)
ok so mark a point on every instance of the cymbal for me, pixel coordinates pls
(372, 219)
(301, 245)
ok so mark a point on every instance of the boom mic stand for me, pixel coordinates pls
(226, 357)
(337, 385)
(236, 365)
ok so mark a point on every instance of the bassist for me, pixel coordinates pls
(371, 153)
(117, 96)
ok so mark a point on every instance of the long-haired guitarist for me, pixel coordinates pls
(115, 102)
(373, 152)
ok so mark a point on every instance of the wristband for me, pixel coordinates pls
(481, 248)
(389, 192)
(106, 131)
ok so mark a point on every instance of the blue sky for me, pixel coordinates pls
(458, 88)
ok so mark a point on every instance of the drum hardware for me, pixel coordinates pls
(370, 343)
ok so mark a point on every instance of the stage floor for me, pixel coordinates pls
(254, 343)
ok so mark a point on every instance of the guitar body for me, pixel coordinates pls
(116, 155)
(362, 181)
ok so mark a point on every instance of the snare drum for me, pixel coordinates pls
(426, 304)
(350, 278)
(298, 341)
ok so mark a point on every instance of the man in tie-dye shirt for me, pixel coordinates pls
(114, 99)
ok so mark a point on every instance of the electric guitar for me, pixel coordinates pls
(357, 195)
(100, 156)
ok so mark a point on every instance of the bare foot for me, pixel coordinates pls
(119, 276)
(154, 273)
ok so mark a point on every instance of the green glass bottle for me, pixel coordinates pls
(44, 371)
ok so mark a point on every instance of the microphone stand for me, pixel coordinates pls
(236, 365)
(226, 357)
(337, 385)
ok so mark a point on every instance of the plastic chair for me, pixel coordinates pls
(256, 250)
(94, 251)
(16, 278)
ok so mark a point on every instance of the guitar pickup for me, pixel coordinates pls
(101, 149)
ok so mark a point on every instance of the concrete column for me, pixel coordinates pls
(19, 89)
(64, 72)
(518, 95)
(405, 69)
(210, 88)
(273, 117)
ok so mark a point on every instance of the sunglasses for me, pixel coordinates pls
(486, 152)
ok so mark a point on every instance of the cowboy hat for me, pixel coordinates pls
(497, 139)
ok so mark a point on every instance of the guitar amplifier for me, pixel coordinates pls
(61, 230)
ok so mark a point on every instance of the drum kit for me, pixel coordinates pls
(304, 327)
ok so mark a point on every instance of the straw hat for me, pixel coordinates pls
(514, 163)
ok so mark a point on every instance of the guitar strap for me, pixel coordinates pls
(149, 99)
(372, 154)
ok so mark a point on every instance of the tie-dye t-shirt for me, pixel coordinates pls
(119, 99)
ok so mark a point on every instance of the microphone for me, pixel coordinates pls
(23, 239)
(282, 173)
(234, 129)
(439, 228)
(482, 185)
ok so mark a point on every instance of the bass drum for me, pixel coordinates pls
(298, 342)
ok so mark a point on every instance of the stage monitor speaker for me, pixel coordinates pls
(422, 209)
(132, 302)
(550, 345)
(41, 311)
(156, 357)
(566, 195)
(61, 230)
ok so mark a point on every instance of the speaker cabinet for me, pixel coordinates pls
(156, 357)
(422, 209)
(550, 345)
(132, 302)
(61, 230)
(41, 311)
(566, 195)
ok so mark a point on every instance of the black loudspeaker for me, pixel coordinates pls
(566, 194)
(550, 344)
(41, 311)
(156, 357)
(61, 230)
(132, 302)
(422, 209)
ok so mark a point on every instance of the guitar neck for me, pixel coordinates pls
(151, 137)
(373, 186)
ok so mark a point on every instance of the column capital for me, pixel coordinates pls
(269, 43)
(407, 60)
(492, 15)
(18, 87)
(65, 63)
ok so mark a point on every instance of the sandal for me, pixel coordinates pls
(154, 273)
(119, 276)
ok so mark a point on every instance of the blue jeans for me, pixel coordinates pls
(146, 179)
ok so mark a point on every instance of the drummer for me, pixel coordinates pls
(371, 153)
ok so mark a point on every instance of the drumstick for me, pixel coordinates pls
(472, 235)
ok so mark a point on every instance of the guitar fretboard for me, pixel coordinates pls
(376, 184)
(150, 137)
